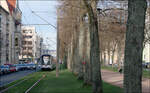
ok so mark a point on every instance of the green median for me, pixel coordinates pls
(65, 83)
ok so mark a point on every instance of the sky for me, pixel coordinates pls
(45, 9)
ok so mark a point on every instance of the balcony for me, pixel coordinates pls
(27, 45)
(27, 51)
(27, 39)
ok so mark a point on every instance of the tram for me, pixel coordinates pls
(46, 62)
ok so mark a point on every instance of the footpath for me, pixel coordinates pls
(116, 79)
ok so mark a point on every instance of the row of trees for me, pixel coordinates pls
(93, 32)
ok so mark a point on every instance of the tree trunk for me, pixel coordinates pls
(95, 60)
(101, 59)
(81, 41)
(65, 59)
(108, 53)
(94, 45)
(134, 46)
(104, 57)
(112, 57)
(119, 54)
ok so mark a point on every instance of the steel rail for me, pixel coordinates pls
(5, 89)
(27, 91)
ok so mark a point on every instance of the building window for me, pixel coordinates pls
(144, 57)
(24, 31)
(28, 37)
(7, 57)
(24, 48)
(16, 41)
(30, 42)
(0, 20)
(30, 48)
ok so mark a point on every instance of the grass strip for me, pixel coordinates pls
(68, 83)
(22, 87)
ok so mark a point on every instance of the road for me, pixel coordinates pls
(6, 79)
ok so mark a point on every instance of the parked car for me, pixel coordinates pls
(18, 67)
(28, 66)
(31, 66)
(22, 66)
(1, 72)
(12, 67)
(4, 69)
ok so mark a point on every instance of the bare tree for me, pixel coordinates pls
(91, 7)
(134, 46)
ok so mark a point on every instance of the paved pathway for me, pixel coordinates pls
(117, 79)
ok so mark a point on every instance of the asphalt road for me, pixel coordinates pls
(8, 78)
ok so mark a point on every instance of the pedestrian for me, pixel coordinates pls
(120, 70)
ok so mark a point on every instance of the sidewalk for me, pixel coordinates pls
(117, 79)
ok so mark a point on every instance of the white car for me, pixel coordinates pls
(4, 69)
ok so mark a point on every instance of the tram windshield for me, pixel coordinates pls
(46, 59)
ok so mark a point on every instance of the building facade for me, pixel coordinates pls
(28, 43)
(4, 36)
(39, 42)
(10, 32)
(31, 44)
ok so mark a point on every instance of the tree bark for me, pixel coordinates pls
(134, 46)
(108, 53)
(94, 46)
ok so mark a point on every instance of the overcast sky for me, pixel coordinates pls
(45, 9)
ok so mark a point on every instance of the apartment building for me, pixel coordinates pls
(28, 43)
(4, 36)
(10, 31)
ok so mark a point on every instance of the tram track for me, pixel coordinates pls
(26, 91)
(4, 90)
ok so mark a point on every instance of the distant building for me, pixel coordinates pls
(28, 43)
(39, 42)
(53, 53)
(31, 43)
(10, 31)
(146, 51)
(45, 50)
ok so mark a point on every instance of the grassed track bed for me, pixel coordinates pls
(65, 83)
